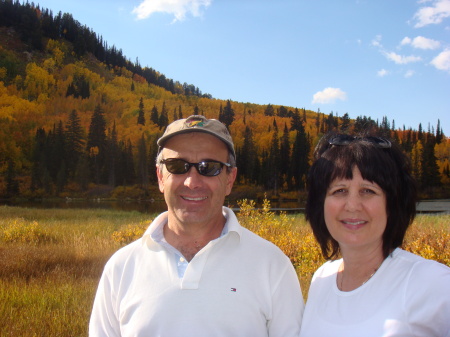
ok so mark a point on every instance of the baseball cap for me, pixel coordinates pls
(197, 123)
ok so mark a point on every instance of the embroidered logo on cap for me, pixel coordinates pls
(195, 122)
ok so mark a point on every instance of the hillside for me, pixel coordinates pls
(77, 118)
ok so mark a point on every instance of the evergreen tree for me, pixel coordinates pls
(141, 116)
(283, 112)
(345, 123)
(154, 116)
(247, 159)
(296, 121)
(163, 118)
(300, 159)
(113, 153)
(285, 157)
(227, 116)
(430, 175)
(269, 111)
(274, 163)
(152, 153)
(82, 172)
(12, 184)
(439, 133)
(142, 164)
(74, 141)
(96, 145)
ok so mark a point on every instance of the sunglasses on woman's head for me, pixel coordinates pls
(207, 168)
(380, 142)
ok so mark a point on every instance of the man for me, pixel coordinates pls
(196, 271)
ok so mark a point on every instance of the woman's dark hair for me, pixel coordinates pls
(379, 160)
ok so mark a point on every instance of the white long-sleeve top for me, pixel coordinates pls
(237, 285)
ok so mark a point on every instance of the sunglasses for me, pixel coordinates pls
(380, 142)
(207, 168)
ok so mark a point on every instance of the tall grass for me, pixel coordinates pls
(51, 259)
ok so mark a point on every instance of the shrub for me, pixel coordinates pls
(130, 233)
(18, 230)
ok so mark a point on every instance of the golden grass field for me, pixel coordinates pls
(51, 259)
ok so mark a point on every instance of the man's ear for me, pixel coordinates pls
(231, 177)
(160, 178)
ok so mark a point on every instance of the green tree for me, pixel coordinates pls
(227, 116)
(345, 123)
(247, 158)
(75, 141)
(154, 116)
(12, 184)
(269, 111)
(300, 159)
(141, 116)
(296, 122)
(142, 164)
(96, 145)
(285, 157)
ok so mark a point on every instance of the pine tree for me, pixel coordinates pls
(96, 145)
(142, 164)
(12, 184)
(345, 123)
(227, 117)
(141, 116)
(163, 118)
(269, 111)
(296, 121)
(300, 159)
(154, 116)
(285, 157)
(439, 133)
(248, 158)
(74, 141)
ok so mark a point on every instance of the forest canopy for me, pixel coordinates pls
(77, 118)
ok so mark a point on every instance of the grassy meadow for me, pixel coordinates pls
(51, 259)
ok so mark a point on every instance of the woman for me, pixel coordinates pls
(361, 200)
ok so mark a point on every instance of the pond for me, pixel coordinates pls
(158, 206)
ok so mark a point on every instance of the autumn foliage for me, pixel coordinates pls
(77, 118)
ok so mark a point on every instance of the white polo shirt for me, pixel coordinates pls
(237, 285)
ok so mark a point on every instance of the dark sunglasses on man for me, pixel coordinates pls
(207, 168)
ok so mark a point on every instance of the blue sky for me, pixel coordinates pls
(362, 57)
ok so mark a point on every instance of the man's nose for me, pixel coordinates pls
(193, 179)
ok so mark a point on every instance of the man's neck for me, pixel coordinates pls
(189, 240)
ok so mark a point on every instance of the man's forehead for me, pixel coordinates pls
(197, 139)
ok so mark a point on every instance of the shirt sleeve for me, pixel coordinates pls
(287, 306)
(104, 321)
(427, 299)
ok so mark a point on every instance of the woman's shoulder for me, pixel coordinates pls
(418, 262)
(420, 270)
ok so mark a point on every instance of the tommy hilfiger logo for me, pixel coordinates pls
(233, 289)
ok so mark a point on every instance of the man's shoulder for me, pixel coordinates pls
(259, 243)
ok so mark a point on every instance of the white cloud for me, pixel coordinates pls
(382, 73)
(179, 8)
(421, 42)
(406, 40)
(400, 59)
(329, 95)
(376, 42)
(409, 73)
(442, 61)
(434, 14)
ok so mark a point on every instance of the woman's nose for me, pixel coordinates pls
(353, 202)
